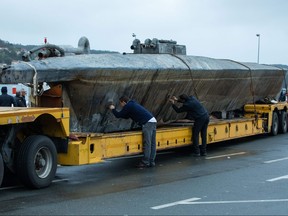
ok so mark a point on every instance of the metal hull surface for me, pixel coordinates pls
(90, 81)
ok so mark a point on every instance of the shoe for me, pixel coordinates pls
(142, 165)
(152, 164)
(203, 154)
(196, 155)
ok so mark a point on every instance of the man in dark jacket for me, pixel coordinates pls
(5, 99)
(23, 95)
(19, 100)
(198, 113)
(131, 109)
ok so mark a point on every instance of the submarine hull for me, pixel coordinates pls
(90, 81)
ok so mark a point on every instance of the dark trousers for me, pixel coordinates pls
(200, 126)
(149, 142)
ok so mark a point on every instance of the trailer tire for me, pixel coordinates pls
(283, 122)
(1, 169)
(37, 161)
(275, 124)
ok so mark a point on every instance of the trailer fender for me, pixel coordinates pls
(37, 161)
(1, 169)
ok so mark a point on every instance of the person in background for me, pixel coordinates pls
(19, 100)
(6, 100)
(131, 109)
(283, 95)
(198, 113)
(23, 95)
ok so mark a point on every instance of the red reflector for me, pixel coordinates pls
(14, 90)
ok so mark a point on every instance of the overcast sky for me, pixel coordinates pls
(214, 28)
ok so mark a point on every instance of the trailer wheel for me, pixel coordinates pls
(1, 169)
(283, 122)
(275, 124)
(37, 161)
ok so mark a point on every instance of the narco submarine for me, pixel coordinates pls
(62, 76)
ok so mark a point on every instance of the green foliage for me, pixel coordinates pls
(9, 53)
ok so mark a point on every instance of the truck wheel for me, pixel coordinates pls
(37, 161)
(283, 122)
(275, 124)
(1, 169)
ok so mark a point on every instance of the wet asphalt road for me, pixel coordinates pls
(243, 177)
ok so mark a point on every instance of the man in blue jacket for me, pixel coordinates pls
(131, 109)
(6, 99)
(198, 113)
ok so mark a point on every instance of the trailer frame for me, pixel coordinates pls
(31, 134)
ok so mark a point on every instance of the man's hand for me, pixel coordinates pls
(173, 99)
(111, 107)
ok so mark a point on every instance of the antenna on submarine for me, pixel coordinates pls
(134, 35)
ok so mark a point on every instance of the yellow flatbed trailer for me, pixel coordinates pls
(35, 140)
(93, 148)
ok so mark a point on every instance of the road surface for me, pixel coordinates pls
(241, 177)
